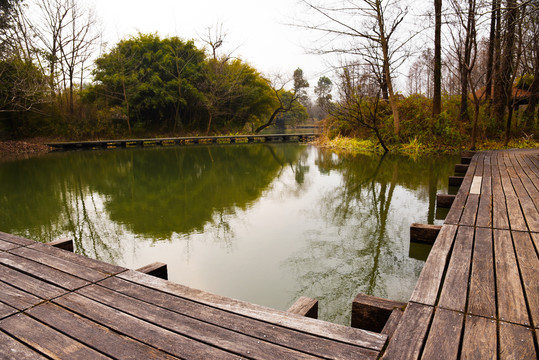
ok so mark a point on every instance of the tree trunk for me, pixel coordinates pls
(529, 114)
(507, 65)
(491, 43)
(437, 91)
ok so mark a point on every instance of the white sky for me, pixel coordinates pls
(258, 29)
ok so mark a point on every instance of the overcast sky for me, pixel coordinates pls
(258, 30)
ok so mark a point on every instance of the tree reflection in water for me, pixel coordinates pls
(265, 223)
(370, 211)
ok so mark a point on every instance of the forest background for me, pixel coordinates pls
(472, 82)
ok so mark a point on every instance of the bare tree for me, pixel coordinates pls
(437, 78)
(366, 28)
(355, 105)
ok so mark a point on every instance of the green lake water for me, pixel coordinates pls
(265, 223)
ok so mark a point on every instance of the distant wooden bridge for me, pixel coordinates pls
(188, 140)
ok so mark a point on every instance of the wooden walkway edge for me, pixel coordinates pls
(477, 296)
(56, 304)
(188, 140)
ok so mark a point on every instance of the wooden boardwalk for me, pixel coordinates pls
(227, 139)
(57, 304)
(478, 294)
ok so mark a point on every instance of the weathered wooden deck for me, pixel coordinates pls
(478, 294)
(57, 304)
(99, 144)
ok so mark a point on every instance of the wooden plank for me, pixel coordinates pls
(444, 200)
(93, 335)
(341, 333)
(516, 218)
(46, 340)
(210, 334)
(157, 269)
(15, 239)
(393, 322)
(371, 312)
(6, 310)
(461, 168)
(12, 349)
(516, 342)
(527, 206)
(142, 331)
(60, 264)
(305, 306)
(455, 286)
(6, 245)
(30, 284)
(456, 180)
(258, 329)
(455, 212)
(482, 293)
(444, 335)
(500, 217)
(511, 303)
(428, 284)
(64, 244)
(479, 341)
(528, 262)
(484, 211)
(17, 298)
(470, 210)
(407, 341)
(476, 185)
(101, 266)
(41, 271)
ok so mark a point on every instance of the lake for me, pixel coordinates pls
(264, 222)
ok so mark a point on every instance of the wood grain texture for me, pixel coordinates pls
(444, 335)
(528, 262)
(455, 286)
(428, 284)
(516, 342)
(46, 340)
(248, 326)
(40, 271)
(30, 284)
(511, 302)
(305, 306)
(140, 330)
(101, 266)
(407, 341)
(94, 335)
(12, 349)
(183, 325)
(341, 333)
(482, 293)
(479, 341)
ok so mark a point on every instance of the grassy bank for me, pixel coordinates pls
(414, 146)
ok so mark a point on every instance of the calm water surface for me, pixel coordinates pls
(265, 223)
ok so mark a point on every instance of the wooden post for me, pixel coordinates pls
(305, 306)
(465, 160)
(157, 269)
(467, 153)
(444, 200)
(64, 244)
(424, 233)
(372, 313)
(456, 180)
(461, 168)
